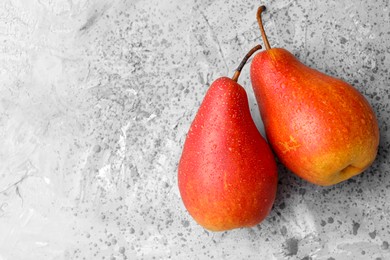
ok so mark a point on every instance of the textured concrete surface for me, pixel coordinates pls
(96, 98)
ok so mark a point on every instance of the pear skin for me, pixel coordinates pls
(320, 127)
(227, 173)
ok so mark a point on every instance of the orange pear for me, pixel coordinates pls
(320, 127)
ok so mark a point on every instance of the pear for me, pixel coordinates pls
(227, 173)
(320, 127)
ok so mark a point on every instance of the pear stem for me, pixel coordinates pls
(243, 62)
(259, 21)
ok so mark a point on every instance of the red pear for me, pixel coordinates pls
(320, 127)
(227, 173)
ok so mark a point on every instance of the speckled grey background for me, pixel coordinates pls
(96, 98)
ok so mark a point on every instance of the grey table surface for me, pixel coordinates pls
(96, 98)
